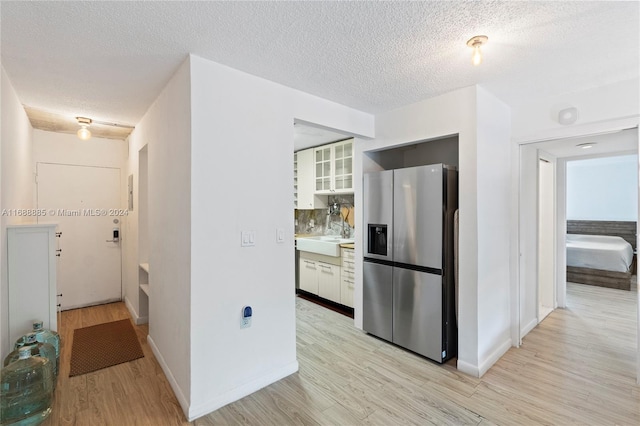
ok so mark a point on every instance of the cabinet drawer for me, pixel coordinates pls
(349, 275)
(348, 254)
(346, 292)
(348, 265)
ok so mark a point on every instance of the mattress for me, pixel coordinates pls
(599, 252)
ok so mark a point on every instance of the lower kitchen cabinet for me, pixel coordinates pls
(329, 281)
(321, 275)
(308, 274)
(347, 277)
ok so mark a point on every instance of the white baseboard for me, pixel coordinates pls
(479, 370)
(172, 380)
(242, 391)
(527, 328)
(468, 368)
(494, 357)
(136, 319)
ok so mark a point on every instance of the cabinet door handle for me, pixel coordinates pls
(308, 262)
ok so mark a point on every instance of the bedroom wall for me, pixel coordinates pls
(603, 189)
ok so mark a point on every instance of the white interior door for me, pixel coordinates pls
(546, 239)
(85, 202)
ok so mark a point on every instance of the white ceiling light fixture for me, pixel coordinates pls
(475, 43)
(84, 133)
(586, 145)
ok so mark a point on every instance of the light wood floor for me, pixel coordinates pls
(577, 367)
(133, 393)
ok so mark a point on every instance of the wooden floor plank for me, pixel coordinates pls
(576, 367)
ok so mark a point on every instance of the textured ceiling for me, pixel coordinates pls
(109, 60)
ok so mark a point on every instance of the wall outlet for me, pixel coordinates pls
(245, 318)
(245, 322)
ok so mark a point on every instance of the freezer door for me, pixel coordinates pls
(377, 300)
(417, 312)
(418, 216)
(378, 214)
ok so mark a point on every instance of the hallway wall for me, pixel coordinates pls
(17, 185)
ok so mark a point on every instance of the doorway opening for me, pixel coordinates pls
(324, 218)
(535, 269)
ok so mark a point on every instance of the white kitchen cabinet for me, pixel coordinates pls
(31, 273)
(347, 277)
(334, 168)
(308, 274)
(304, 183)
(320, 275)
(329, 281)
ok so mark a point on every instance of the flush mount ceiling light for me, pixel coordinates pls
(475, 43)
(586, 145)
(84, 133)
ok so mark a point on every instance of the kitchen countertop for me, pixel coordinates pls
(348, 246)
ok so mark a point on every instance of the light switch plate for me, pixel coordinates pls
(248, 238)
(279, 235)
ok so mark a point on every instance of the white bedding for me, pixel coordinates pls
(599, 252)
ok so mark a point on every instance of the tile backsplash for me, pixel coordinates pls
(325, 221)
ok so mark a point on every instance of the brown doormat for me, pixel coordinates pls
(103, 345)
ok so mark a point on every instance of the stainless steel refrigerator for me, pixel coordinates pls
(409, 289)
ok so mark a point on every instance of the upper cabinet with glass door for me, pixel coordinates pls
(334, 168)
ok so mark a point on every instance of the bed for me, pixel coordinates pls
(601, 253)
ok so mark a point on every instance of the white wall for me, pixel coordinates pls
(528, 196)
(603, 189)
(482, 123)
(241, 177)
(17, 184)
(546, 235)
(66, 148)
(537, 119)
(166, 129)
(494, 220)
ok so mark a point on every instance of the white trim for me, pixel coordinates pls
(172, 380)
(527, 328)
(588, 129)
(241, 391)
(516, 336)
(638, 293)
(86, 305)
(469, 369)
(479, 371)
(561, 233)
(494, 357)
(137, 320)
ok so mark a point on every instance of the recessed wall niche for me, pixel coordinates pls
(442, 150)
